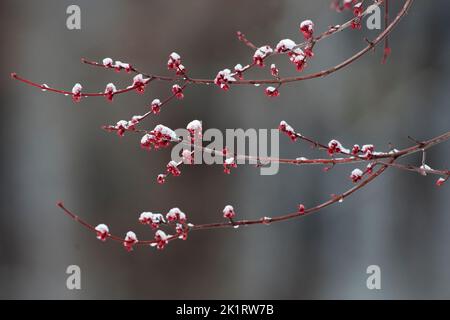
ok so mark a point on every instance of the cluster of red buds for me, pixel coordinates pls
(174, 63)
(160, 137)
(285, 128)
(224, 78)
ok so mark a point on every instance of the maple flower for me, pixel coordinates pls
(130, 240)
(172, 168)
(174, 61)
(334, 146)
(175, 214)
(102, 231)
(285, 45)
(161, 238)
(109, 91)
(107, 62)
(272, 92)
(224, 78)
(228, 212)
(356, 175)
(76, 92)
(260, 54)
(155, 106)
(440, 181)
(285, 128)
(177, 91)
(307, 28)
(152, 219)
(139, 82)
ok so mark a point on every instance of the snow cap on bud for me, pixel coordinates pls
(298, 57)
(228, 212)
(102, 231)
(107, 62)
(139, 82)
(161, 178)
(285, 128)
(164, 132)
(334, 146)
(195, 129)
(285, 45)
(358, 9)
(175, 214)
(177, 91)
(355, 149)
(122, 126)
(307, 28)
(228, 164)
(155, 106)
(272, 92)
(260, 54)
(356, 175)
(174, 61)
(130, 240)
(238, 69)
(274, 70)
(367, 150)
(161, 240)
(152, 219)
(194, 125)
(224, 78)
(109, 91)
(182, 231)
(76, 92)
(440, 181)
(172, 168)
(119, 65)
(146, 140)
(301, 208)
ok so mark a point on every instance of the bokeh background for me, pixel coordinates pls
(55, 150)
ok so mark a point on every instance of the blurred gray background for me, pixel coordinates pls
(55, 150)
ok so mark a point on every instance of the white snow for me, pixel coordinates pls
(285, 45)
(103, 228)
(194, 125)
(120, 64)
(175, 56)
(146, 138)
(110, 87)
(228, 209)
(307, 24)
(175, 214)
(156, 102)
(226, 75)
(287, 126)
(166, 131)
(357, 173)
(263, 51)
(77, 88)
(238, 67)
(107, 62)
(161, 234)
(131, 236)
(229, 160)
